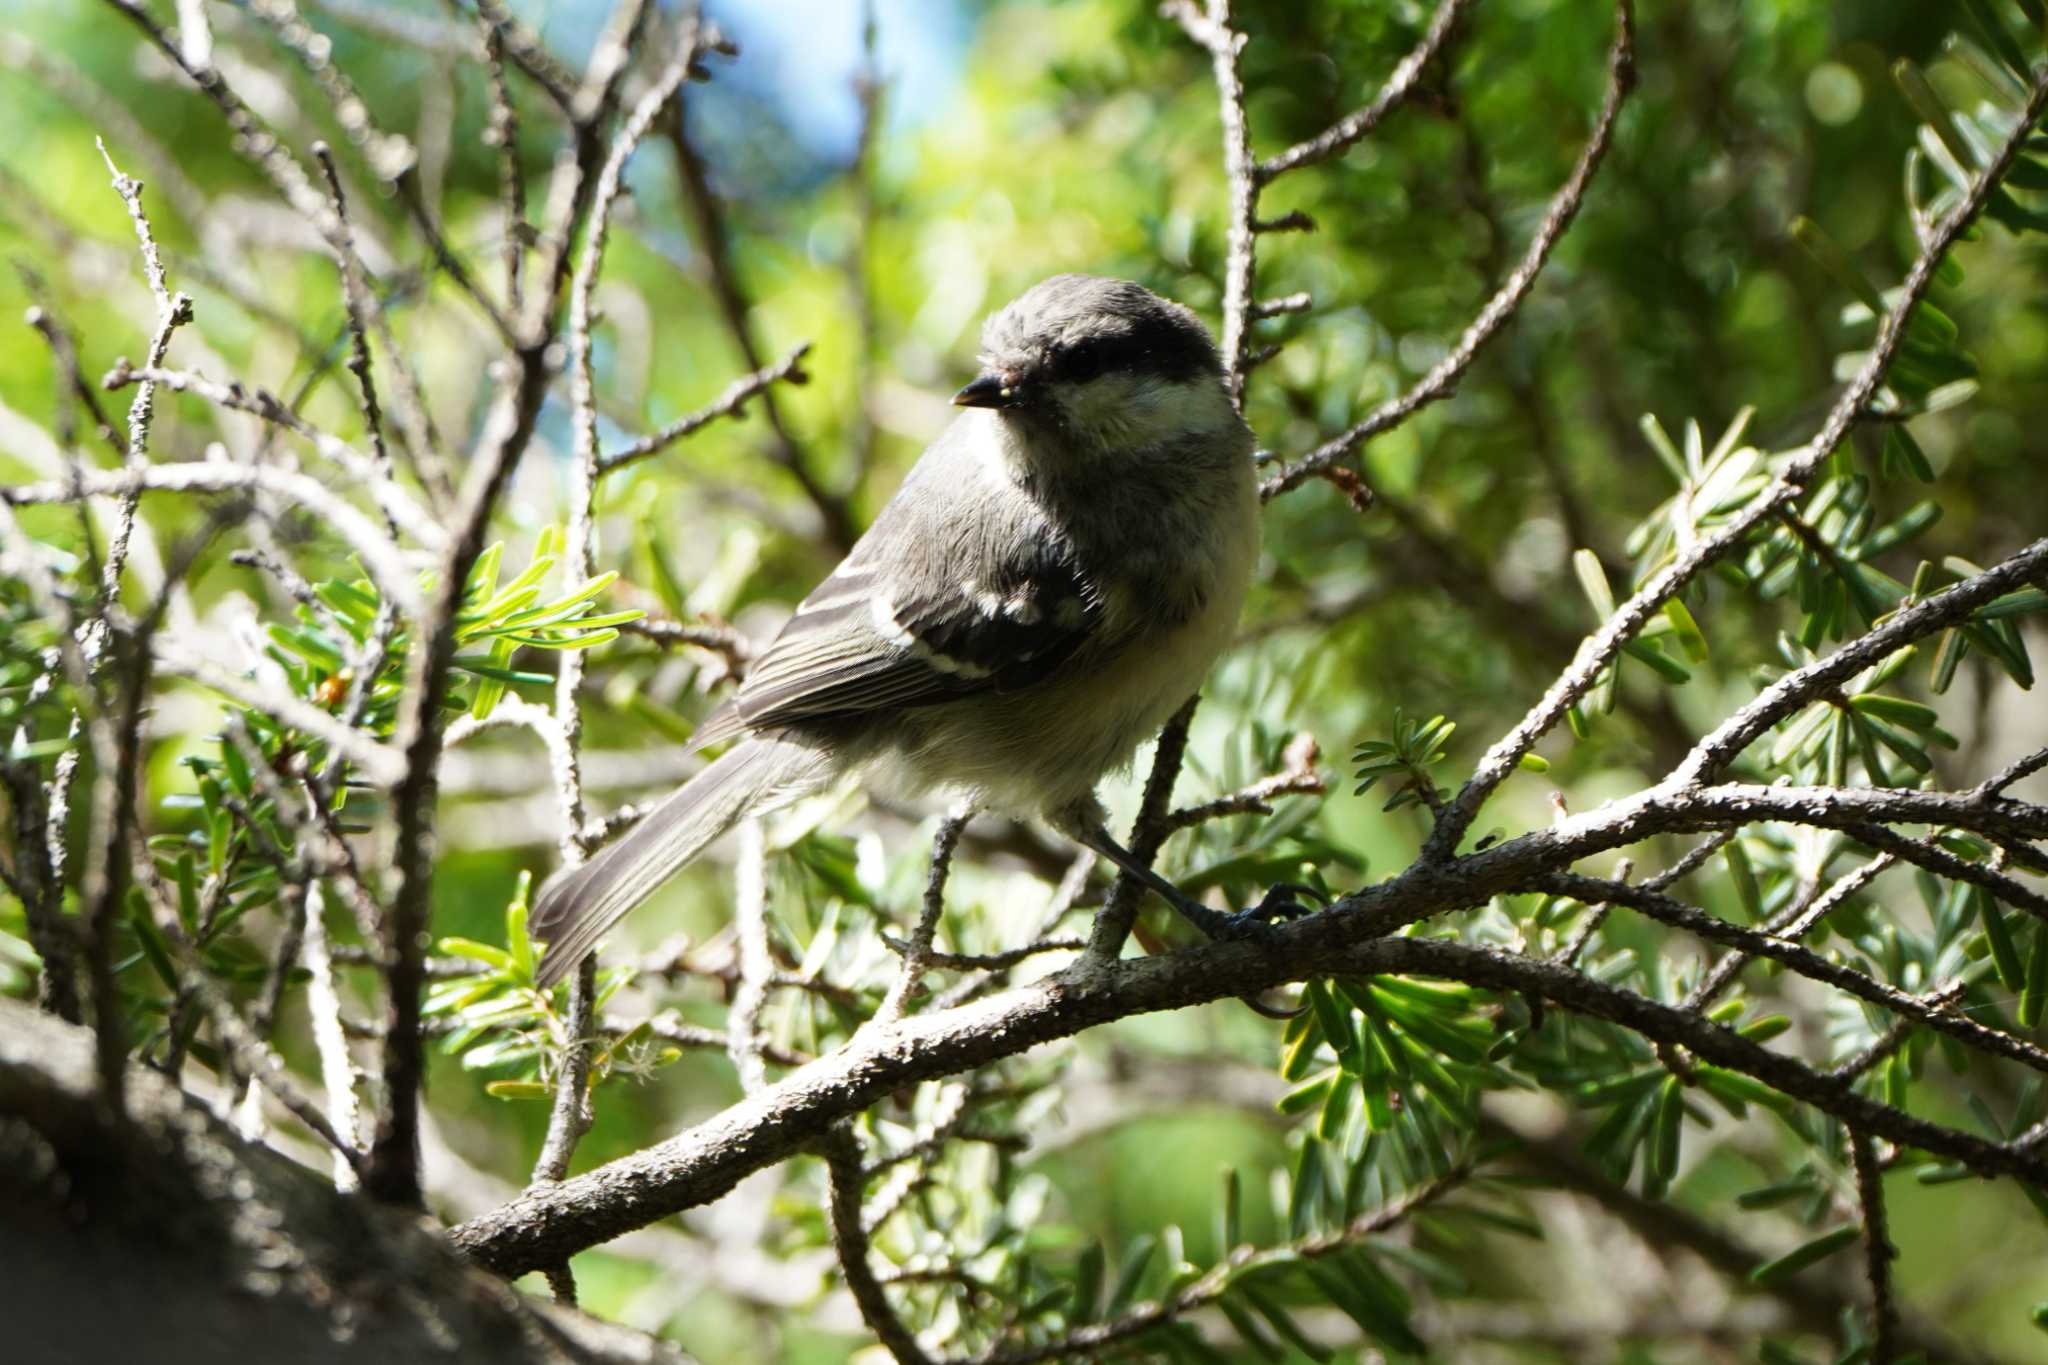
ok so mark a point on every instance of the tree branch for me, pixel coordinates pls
(1600, 649)
(545, 1225)
(1564, 207)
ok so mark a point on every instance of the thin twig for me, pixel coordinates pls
(376, 762)
(1065, 893)
(1443, 377)
(2017, 771)
(995, 962)
(172, 311)
(1894, 1038)
(1297, 778)
(1793, 925)
(1805, 962)
(733, 647)
(722, 273)
(571, 1115)
(672, 1028)
(846, 1180)
(917, 954)
(580, 548)
(756, 965)
(393, 1167)
(65, 353)
(1210, 26)
(354, 295)
(1797, 689)
(527, 51)
(323, 1007)
(1400, 84)
(731, 403)
(373, 473)
(1878, 1251)
(1113, 923)
(1599, 650)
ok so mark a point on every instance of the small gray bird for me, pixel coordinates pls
(1050, 583)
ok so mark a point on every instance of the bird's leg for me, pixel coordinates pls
(1279, 903)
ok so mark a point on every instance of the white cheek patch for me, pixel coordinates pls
(1134, 412)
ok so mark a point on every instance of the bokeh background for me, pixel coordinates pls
(1002, 143)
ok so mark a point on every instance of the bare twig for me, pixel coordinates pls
(729, 644)
(834, 516)
(917, 954)
(1113, 923)
(374, 474)
(503, 134)
(1793, 924)
(731, 403)
(65, 353)
(1298, 778)
(528, 53)
(756, 966)
(571, 1115)
(846, 1180)
(671, 1028)
(251, 139)
(323, 1006)
(387, 565)
(1210, 27)
(1599, 650)
(2017, 771)
(1804, 961)
(355, 295)
(1878, 1251)
(172, 311)
(996, 962)
(869, 89)
(1564, 206)
(393, 1169)
(1065, 893)
(1799, 688)
(376, 762)
(1893, 1038)
(579, 544)
(1400, 84)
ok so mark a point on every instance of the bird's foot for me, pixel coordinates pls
(1283, 902)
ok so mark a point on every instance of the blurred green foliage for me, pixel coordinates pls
(1728, 262)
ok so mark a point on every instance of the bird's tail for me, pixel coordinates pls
(578, 905)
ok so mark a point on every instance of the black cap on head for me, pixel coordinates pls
(1074, 327)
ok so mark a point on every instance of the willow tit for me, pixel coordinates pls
(1049, 584)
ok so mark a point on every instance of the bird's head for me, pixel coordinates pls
(1104, 366)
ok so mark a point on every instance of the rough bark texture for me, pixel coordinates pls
(168, 1238)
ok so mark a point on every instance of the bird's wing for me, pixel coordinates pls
(924, 610)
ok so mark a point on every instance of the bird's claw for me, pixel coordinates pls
(1277, 907)
(1284, 901)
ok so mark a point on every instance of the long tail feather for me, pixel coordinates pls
(579, 905)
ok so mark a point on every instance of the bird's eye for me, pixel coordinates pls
(1081, 361)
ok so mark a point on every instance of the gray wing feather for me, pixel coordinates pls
(925, 610)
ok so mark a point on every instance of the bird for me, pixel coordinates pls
(1047, 586)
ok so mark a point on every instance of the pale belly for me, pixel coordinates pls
(1042, 748)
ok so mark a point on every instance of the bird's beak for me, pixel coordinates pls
(990, 389)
